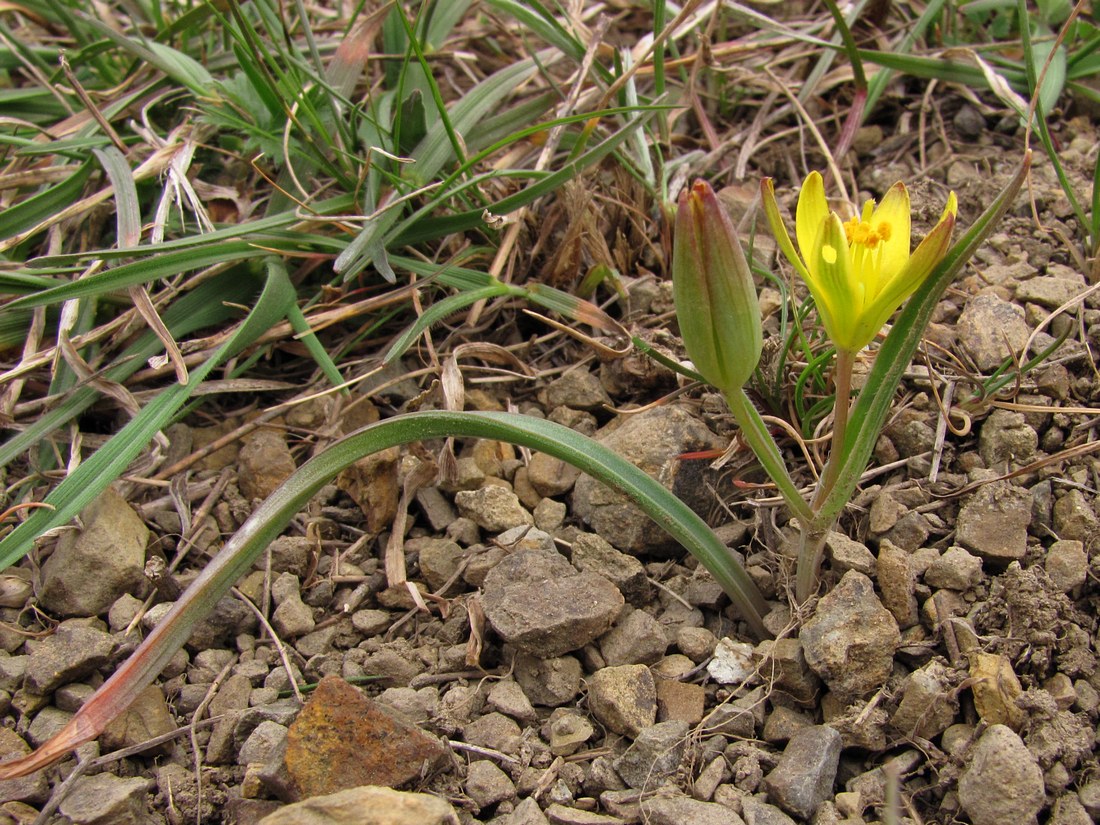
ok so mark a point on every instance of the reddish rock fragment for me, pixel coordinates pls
(342, 739)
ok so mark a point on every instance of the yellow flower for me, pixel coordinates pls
(860, 270)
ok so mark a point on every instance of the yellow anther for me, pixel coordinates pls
(861, 232)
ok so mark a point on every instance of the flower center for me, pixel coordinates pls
(863, 233)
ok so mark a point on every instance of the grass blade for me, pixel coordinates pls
(108, 462)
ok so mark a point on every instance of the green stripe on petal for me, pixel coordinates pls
(831, 284)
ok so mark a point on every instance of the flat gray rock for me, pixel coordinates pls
(654, 757)
(653, 441)
(1002, 783)
(537, 601)
(91, 568)
(993, 522)
(66, 656)
(804, 777)
(851, 638)
(678, 810)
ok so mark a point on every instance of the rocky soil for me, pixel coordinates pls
(566, 664)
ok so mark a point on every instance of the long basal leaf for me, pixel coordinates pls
(272, 516)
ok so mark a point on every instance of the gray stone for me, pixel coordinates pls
(527, 812)
(804, 776)
(910, 532)
(265, 740)
(635, 639)
(536, 601)
(928, 703)
(228, 618)
(1006, 437)
(851, 638)
(68, 655)
(956, 569)
(494, 730)
(92, 567)
(783, 723)
(678, 810)
(569, 730)
(366, 805)
(508, 697)
(1068, 810)
(577, 389)
(559, 814)
(104, 799)
(13, 669)
(1089, 794)
(32, 789)
(550, 682)
(1075, 518)
(264, 462)
(437, 508)
(1048, 291)
(896, 581)
(993, 522)
(291, 554)
(592, 554)
(486, 784)
(847, 554)
(655, 755)
(1067, 564)
(551, 476)
(991, 330)
(784, 661)
(697, 643)
(440, 560)
(758, 812)
(1002, 782)
(913, 435)
(623, 698)
(651, 440)
(493, 508)
(292, 617)
(371, 622)
(549, 514)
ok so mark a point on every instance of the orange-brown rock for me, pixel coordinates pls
(342, 739)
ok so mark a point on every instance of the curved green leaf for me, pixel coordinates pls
(272, 516)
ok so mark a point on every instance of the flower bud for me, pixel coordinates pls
(716, 301)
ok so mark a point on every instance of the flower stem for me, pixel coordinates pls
(755, 432)
(811, 544)
(811, 547)
(842, 381)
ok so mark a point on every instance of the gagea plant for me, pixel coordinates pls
(859, 269)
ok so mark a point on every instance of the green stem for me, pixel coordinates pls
(811, 545)
(842, 381)
(811, 548)
(755, 432)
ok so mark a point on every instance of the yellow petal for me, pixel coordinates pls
(950, 208)
(811, 212)
(779, 230)
(894, 212)
(913, 274)
(832, 285)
